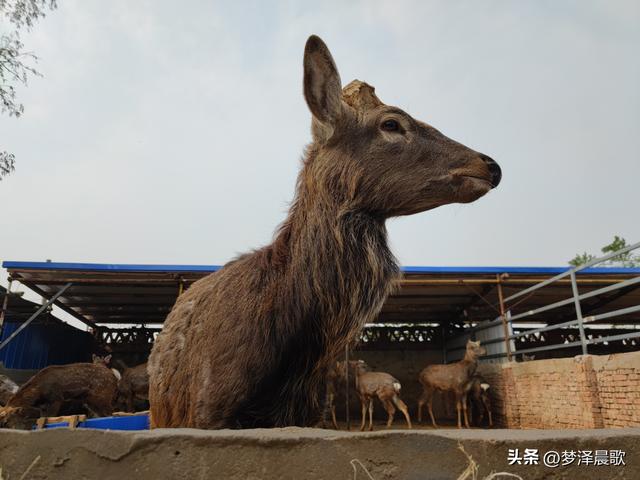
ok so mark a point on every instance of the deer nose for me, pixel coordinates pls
(494, 169)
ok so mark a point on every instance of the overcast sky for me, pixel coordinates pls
(171, 132)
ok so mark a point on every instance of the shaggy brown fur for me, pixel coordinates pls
(133, 389)
(62, 389)
(251, 345)
(454, 377)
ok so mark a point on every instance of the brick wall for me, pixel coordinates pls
(581, 392)
(618, 378)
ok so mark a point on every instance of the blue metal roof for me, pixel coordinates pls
(115, 267)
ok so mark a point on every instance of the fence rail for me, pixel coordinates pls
(579, 321)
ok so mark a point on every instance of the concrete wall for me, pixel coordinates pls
(305, 453)
(586, 391)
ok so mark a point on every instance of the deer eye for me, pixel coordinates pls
(390, 126)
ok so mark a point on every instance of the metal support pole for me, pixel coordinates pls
(34, 316)
(444, 343)
(5, 303)
(576, 301)
(346, 385)
(503, 317)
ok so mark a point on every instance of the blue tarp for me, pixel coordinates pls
(130, 422)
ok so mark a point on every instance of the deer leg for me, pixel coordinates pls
(421, 402)
(324, 411)
(430, 406)
(53, 409)
(458, 408)
(370, 414)
(403, 408)
(92, 413)
(333, 417)
(464, 409)
(391, 410)
(332, 408)
(364, 413)
(486, 406)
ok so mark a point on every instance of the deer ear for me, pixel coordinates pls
(93, 357)
(107, 359)
(322, 85)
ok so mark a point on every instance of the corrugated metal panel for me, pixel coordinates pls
(40, 345)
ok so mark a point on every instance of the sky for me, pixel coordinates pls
(172, 132)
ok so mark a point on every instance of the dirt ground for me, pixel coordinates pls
(301, 453)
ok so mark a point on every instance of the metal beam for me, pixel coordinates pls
(61, 305)
(503, 317)
(573, 271)
(584, 296)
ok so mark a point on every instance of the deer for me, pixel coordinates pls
(251, 344)
(454, 377)
(106, 361)
(336, 379)
(383, 386)
(61, 389)
(133, 388)
(478, 395)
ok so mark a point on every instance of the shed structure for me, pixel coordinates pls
(435, 308)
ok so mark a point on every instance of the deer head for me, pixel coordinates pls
(474, 350)
(98, 360)
(378, 159)
(18, 417)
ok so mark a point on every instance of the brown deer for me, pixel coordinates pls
(106, 361)
(336, 380)
(61, 389)
(251, 345)
(133, 389)
(479, 399)
(453, 377)
(383, 386)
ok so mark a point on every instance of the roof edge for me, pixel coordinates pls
(119, 267)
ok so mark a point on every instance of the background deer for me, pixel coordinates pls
(336, 381)
(61, 390)
(454, 377)
(251, 345)
(383, 386)
(106, 361)
(479, 399)
(133, 389)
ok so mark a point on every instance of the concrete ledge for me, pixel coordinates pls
(302, 453)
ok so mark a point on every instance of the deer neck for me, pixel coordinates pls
(336, 260)
(470, 363)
